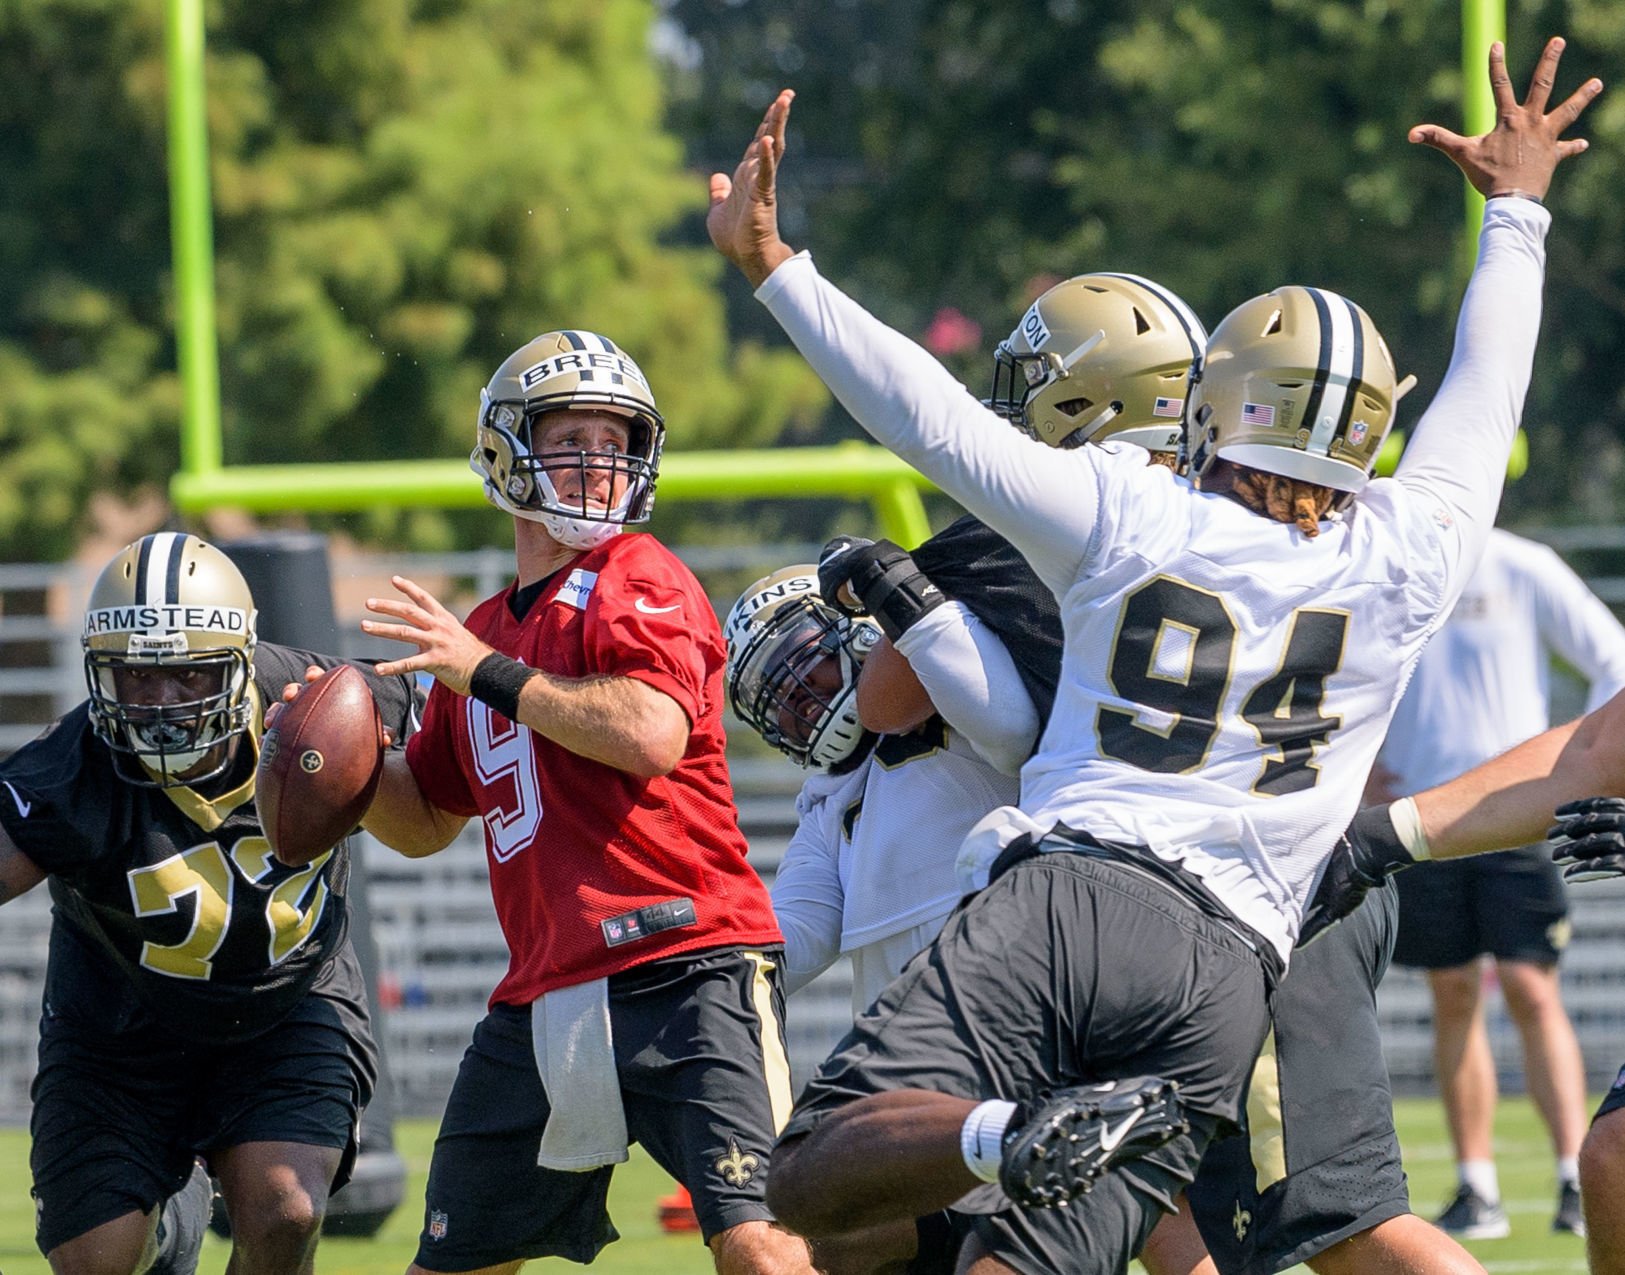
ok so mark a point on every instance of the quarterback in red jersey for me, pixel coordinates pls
(578, 715)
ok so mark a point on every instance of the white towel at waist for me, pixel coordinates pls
(575, 1057)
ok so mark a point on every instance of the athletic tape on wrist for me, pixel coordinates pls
(1407, 821)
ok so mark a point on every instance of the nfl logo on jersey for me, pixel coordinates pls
(437, 1225)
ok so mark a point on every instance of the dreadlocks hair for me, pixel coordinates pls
(1272, 495)
(1168, 460)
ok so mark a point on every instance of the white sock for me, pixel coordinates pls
(1481, 1176)
(981, 1137)
(1568, 1170)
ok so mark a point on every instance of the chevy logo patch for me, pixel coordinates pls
(577, 588)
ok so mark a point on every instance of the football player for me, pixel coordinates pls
(1233, 649)
(869, 871)
(578, 715)
(1498, 804)
(1480, 687)
(1111, 340)
(201, 999)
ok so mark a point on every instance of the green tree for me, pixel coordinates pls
(965, 154)
(405, 191)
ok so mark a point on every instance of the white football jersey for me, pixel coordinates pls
(1482, 685)
(1226, 681)
(870, 869)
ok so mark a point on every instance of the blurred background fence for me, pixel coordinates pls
(441, 951)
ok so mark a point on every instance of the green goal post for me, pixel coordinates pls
(851, 471)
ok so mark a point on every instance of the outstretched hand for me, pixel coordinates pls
(1519, 155)
(445, 648)
(744, 216)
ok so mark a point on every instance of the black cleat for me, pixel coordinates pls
(1077, 1134)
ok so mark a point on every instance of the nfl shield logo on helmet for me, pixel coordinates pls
(1357, 433)
(437, 1225)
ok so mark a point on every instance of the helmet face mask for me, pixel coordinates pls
(563, 372)
(169, 640)
(1299, 383)
(793, 664)
(1097, 358)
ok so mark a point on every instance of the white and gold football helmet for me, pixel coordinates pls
(793, 664)
(1098, 357)
(561, 371)
(169, 639)
(1299, 383)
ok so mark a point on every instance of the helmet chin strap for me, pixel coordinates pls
(578, 533)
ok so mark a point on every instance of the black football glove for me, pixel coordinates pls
(878, 578)
(1588, 839)
(1366, 855)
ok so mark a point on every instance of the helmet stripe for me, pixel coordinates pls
(1328, 406)
(158, 569)
(142, 560)
(1195, 333)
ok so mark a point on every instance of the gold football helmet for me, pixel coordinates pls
(793, 664)
(169, 640)
(1297, 382)
(562, 371)
(1098, 357)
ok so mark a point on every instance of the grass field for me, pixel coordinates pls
(1525, 1164)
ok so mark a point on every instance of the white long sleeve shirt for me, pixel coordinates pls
(1483, 683)
(869, 871)
(1226, 681)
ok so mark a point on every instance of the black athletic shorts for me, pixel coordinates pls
(705, 1080)
(1319, 1159)
(120, 1114)
(1510, 904)
(1614, 1099)
(1067, 969)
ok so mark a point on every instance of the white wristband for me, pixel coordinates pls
(981, 1137)
(1407, 821)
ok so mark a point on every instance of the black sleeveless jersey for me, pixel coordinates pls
(178, 891)
(976, 566)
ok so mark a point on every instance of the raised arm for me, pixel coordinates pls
(1459, 449)
(895, 389)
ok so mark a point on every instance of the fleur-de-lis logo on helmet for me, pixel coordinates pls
(737, 1167)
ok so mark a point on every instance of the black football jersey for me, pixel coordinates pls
(180, 892)
(976, 566)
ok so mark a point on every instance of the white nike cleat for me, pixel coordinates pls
(1077, 1134)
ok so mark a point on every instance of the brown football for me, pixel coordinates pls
(319, 766)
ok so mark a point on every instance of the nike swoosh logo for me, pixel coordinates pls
(23, 807)
(649, 610)
(1110, 1139)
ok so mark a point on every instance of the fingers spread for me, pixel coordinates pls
(1540, 83)
(1438, 138)
(1500, 81)
(1575, 103)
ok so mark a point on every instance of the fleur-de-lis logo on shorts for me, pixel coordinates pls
(1242, 1220)
(737, 1167)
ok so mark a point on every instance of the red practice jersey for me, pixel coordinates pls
(574, 844)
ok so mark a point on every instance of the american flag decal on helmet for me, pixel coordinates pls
(1257, 414)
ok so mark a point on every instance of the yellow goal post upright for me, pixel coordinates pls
(851, 471)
